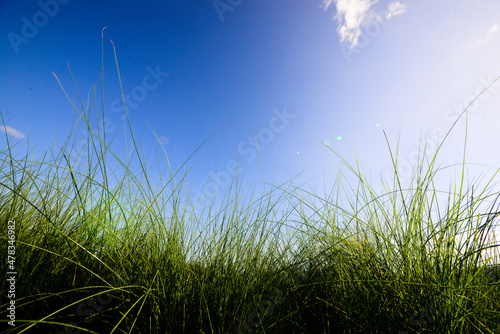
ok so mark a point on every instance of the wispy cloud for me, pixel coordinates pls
(353, 15)
(492, 32)
(13, 132)
(395, 8)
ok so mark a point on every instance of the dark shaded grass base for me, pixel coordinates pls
(308, 301)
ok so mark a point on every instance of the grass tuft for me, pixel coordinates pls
(101, 248)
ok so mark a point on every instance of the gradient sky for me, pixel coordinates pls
(343, 71)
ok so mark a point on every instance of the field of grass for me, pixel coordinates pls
(101, 249)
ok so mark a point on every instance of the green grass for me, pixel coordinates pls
(100, 248)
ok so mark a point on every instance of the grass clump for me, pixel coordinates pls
(101, 249)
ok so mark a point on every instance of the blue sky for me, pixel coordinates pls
(297, 73)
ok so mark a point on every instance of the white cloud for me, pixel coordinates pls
(13, 132)
(353, 15)
(492, 31)
(395, 8)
